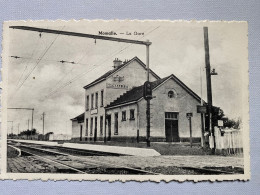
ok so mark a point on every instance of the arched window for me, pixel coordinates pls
(171, 94)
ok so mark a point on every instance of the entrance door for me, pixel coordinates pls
(95, 130)
(171, 127)
(109, 127)
(81, 127)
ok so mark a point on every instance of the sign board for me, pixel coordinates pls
(220, 123)
(95, 111)
(189, 115)
(201, 109)
(118, 78)
(117, 86)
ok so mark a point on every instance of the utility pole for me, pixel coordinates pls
(148, 115)
(146, 43)
(28, 128)
(43, 114)
(202, 114)
(12, 126)
(32, 109)
(210, 126)
(18, 128)
(32, 117)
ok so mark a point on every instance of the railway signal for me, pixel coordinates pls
(147, 91)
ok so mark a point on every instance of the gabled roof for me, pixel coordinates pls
(107, 74)
(79, 118)
(136, 93)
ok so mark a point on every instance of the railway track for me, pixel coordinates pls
(72, 160)
(63, 161)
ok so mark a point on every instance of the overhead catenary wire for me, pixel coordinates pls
(25, 59)
(47, 60)
(82, 74)
(78, 62)
(36, 64)
(94, 67)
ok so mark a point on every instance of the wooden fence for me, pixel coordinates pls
(229, 142)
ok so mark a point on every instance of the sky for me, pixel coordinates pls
(38, 80)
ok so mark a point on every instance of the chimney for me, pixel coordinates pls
(117, 62)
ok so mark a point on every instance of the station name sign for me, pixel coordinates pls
(202, 109)
(117, 86)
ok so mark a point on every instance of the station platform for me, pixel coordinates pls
(131, 151)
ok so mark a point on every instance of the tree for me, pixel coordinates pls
(218, 114)
(232, 123)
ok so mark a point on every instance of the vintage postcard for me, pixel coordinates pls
(125, 100)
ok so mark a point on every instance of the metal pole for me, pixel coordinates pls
(18, 128)
(190, 133)
(148, 101)
(12, 127)
(201, 115)
(28, 123)
(32, 123)
(60, 32)
(208, 77)
(32, 117)
(209, 89)
(43, 114)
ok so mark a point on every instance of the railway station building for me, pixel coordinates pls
(115, 107)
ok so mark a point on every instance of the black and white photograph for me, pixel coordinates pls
(125, 99)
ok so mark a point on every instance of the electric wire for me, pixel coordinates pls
(94, 67)
(36, 64)
(78, 62)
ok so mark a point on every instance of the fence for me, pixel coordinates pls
(229, 142)
(59, 137)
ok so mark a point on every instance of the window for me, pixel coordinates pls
(101, 125)
(171, 115)
(92, 101)
(87, 103)
(132, 114)
(171, 94)
(102, 98)
(86, 127)
(91, 126)
(96, 103)
(116, 123)
(123, 115)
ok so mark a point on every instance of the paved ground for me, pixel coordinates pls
(179, 161)
(164, 148)
(30, 164)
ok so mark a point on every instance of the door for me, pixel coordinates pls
(95, 130)
(171, 127)
(109, 127)
(81, 127)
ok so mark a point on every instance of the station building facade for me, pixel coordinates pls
(104, 90)
(115, 107)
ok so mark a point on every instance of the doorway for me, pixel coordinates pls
(109, 127)
(95, 130)
(81, 127)
(171, 127)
